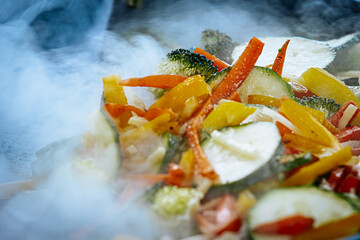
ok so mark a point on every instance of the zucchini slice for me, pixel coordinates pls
(264, 81)
(171, 143)
(243, 155)
(321, 205)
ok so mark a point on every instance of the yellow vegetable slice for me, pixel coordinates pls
(326, 85)
(309, 127)
(115, 94)
(228, 113)
(309, 173)
(177, 97)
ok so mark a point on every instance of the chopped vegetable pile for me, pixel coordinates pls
(227, 148)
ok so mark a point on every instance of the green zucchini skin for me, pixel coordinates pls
(265, 81)
(116, 135)
(171, 148)
(297, 162)
(218, 77)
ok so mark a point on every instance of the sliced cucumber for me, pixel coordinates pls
(296, 161)
(321, 205)
(243, 155)
(171, 142)
(215, 79)
(264, 81)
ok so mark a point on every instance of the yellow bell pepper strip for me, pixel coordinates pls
(228, 113)
(217, 62)
(187, 163)
(280, 59)
(115, 94)
(323, 84)
(112, 92)
(193, 87)
(308, 174)
(333, 230)
(309, 126)
(157, 81)
(230, 83)
(264, 100)
(303, 144)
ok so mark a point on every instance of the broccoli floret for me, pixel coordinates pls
(325, 105)
(218, 44)
(171, 201)
(186, 63)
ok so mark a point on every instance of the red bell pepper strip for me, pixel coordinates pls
(280, 59)
(217, 62)
(350, 184)
(115, 110)
(157, 81)
(348, 134)
(291, 226)
(334, 119)
(230, 83)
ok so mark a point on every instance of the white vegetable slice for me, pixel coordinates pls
(323, 206)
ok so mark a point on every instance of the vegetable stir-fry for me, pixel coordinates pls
(238, 148)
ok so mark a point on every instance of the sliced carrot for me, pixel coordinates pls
(150, 179)
(235, 96)
(116, 110)
(230, 83)
(157, 81)
(280, 59)
(155, 112)
(217, 62)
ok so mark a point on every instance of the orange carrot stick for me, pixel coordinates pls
(115, 110)
(280, 59)
(235, 96)
(157, 81)
(155, 112)
(217, 62)
(231, 82)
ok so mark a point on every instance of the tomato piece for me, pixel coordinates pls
(336, 176)
(347, 134)
(350, 184)
(219, 216)
(291, 226)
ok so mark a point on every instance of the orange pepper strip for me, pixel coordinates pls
(157, 81)
(217, 62)
(116, 110)
(155, 112)
(231, 82)
(332, 230)
(280, 59)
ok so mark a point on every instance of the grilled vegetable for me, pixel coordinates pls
(320, 205)
(218, 44)
(253, 149)
(264, 81)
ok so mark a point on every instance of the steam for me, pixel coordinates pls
(54, 54)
